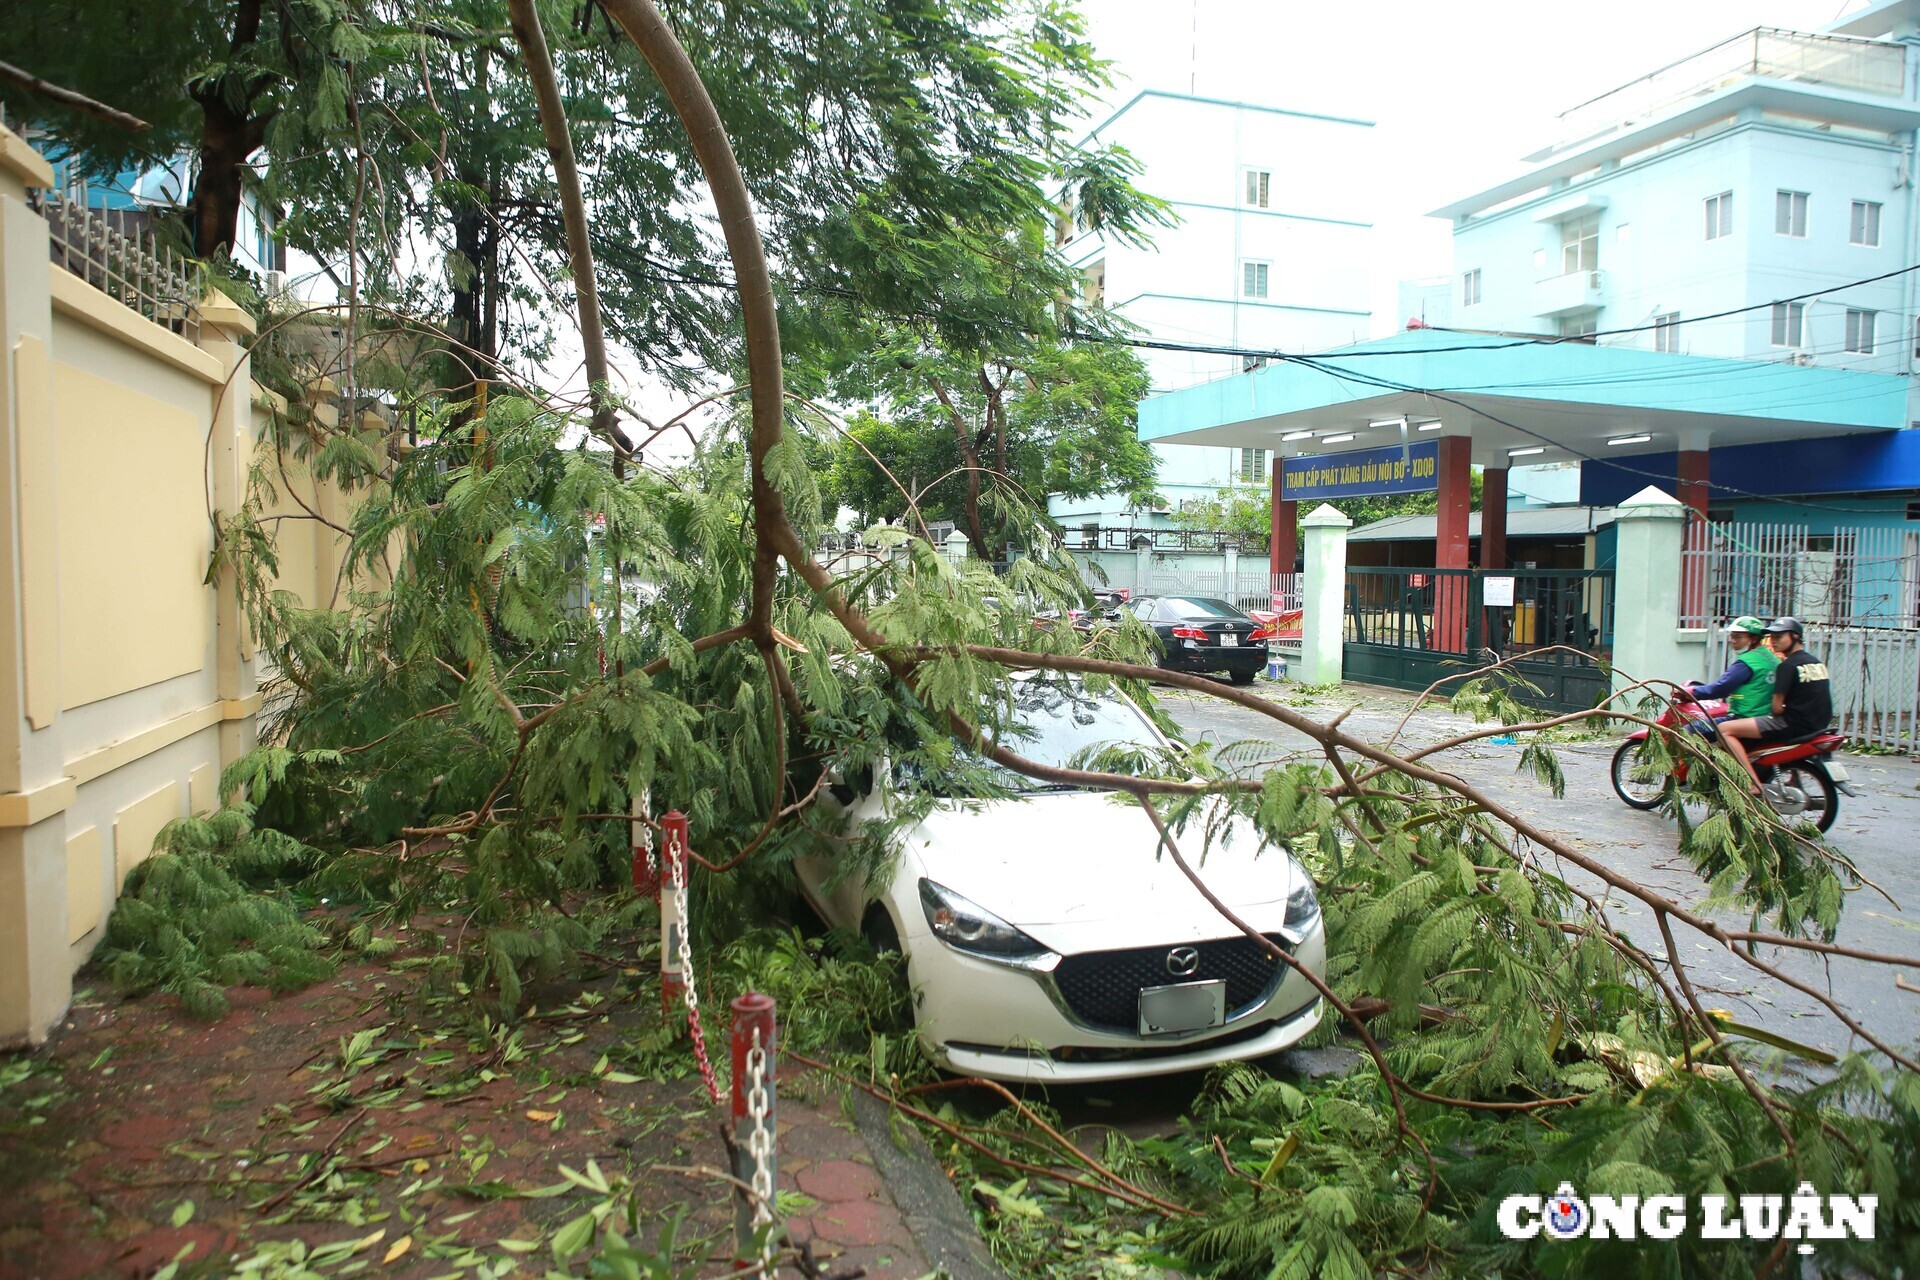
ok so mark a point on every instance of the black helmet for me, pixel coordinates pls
(1783, 625)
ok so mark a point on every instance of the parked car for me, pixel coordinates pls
(1046, 936)
(1199, 633)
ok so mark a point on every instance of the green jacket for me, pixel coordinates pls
(1755, 697)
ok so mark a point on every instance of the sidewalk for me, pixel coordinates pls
(433, 1148)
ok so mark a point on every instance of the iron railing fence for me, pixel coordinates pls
(115, 251)
(1857, 577)
(1872, 67)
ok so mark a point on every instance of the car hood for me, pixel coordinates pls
(1081, 858)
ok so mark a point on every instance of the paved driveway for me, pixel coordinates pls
(1880, 831)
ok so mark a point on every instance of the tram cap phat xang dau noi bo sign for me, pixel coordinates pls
(1409, 468)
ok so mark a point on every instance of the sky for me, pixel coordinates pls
(1459, 90)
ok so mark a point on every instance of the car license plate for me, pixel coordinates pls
(1188, 1006)
(1838, 772)
(1230, 641)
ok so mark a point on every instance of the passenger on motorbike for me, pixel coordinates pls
(1747, 683)
(1802, 700)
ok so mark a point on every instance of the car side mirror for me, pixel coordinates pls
(849, 787)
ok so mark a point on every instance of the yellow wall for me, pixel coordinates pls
(134, 538)
(127, 680)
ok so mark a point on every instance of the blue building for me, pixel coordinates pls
(1705, 283)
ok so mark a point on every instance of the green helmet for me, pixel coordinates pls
(1749, 624)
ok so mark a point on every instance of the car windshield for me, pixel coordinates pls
(1201, 607)
(1059, 722)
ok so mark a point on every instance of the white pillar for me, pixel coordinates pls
(1230, 580)
(1323, 596)
(1142, 566)
(1650, 528)
(956, 548)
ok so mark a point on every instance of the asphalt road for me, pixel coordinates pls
(1877, 831)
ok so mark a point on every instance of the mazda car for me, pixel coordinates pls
(1048, 938)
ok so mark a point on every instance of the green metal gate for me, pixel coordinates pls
(1408, 628)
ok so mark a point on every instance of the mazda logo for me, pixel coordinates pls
(1183, 962)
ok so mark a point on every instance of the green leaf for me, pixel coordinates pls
(573, 1237)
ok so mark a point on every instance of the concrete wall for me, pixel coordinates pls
(126, 680)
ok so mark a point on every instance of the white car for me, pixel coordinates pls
(1048, 939)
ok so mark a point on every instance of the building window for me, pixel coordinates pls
(1787, 320)
(1860, 331)
(1790, 213)
(1720, 215)
(1579, 328)
(1259, 185)
(1253, 279)
(1864, 226)
(1096, 285)
(1666, 331)
(1253, 466)
(1470, 288)
(1090, 534)
(1580, 245)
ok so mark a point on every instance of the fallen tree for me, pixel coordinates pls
(468, 734)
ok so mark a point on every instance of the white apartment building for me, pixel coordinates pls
(1773, 165)
(1270, 253)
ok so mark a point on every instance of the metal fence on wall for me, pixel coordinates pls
(112, 250)
(1862, 577)
(1857, 591)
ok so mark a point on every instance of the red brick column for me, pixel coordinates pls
(1283, 542)
(1694, 491)
(1450, 544)
(1694, 486)
(1493, 518)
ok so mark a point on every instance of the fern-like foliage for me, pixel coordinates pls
(207, 911)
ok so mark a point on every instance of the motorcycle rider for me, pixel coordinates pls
(1802, 699)
(1747, 683)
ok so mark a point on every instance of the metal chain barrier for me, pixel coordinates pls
(760, 1147)
(646, 867)
(677, 869)
(755, 1156)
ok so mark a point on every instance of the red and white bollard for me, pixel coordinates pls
(646, 867)
(753, 1123)
(673, 905)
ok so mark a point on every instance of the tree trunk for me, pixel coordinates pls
(229, 133)
(465, 320)
(970, 460)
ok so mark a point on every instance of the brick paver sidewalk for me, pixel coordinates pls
(134, 1110)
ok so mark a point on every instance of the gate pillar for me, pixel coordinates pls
(1651, 527)
(1324, 596)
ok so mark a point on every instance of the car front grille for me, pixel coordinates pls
(1103, 987)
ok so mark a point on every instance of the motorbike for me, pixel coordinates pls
(1799, 780)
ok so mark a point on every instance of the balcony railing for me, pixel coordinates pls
(1840, 62)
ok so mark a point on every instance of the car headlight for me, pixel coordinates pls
(1303, 908)
(967, 926)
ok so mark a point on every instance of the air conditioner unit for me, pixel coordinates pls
(1802, 358)
(276, 282)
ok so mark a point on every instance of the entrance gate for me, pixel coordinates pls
(1407, 628)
